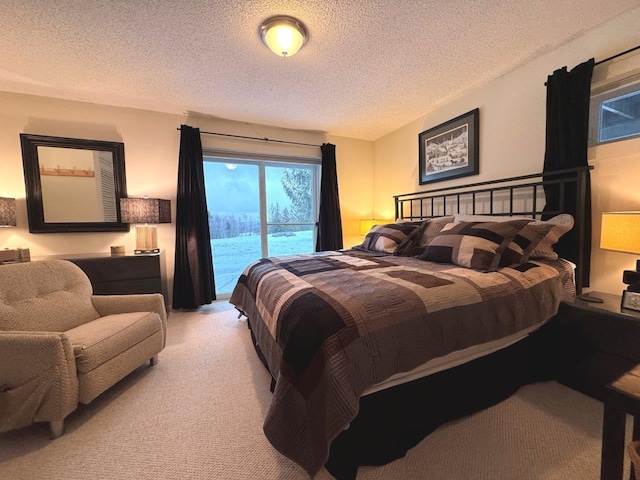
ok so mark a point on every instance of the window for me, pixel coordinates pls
(258, 208)
(616, 115)
(615, 100)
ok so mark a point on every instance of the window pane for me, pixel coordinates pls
(234, 220)
(289, 194)
(237, 193)
(620, 117)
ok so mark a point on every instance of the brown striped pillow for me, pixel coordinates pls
(534, 245)
(561, 224)
(477, 245)
(525, 241)
(387, 238)
(421, 237)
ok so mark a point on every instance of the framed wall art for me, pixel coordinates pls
(450, 150)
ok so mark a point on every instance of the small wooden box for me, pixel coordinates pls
(9, 255)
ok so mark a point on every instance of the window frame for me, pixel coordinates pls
(596, 112)
(611, 79)
(262, 161)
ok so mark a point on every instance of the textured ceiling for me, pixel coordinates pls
(369, 67)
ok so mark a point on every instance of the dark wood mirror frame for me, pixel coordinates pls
(33, 184)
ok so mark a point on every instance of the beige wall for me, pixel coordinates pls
(151, 158)
(512, 119)
(615, 183)
(512, 137)
(151, 145)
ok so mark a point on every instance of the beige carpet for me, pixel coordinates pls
(198, 415)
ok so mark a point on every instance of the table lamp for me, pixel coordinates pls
(621, 233)
(147, 211)
(8, 219)
(365, 225)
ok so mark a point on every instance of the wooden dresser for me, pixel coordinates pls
(121, 274)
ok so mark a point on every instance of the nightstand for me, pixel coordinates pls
(598, 353)
(597, 343)
(622, 396)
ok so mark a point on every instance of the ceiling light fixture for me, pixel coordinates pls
(284, 35)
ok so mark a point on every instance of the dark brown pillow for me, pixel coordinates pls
(477, 245)
(543, 249)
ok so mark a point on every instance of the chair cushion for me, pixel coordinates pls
(100, 340)
(46, 296)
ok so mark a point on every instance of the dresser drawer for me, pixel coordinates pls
(125, 274)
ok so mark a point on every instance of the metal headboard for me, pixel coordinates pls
(518, 196)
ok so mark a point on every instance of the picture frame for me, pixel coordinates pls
(630, 300)
(450, 150)
(73, 185)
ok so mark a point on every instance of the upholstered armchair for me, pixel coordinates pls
(60, 345)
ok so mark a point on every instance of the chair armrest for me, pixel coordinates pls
(38, 380)
(144, 302)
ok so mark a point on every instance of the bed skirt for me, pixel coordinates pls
(392, 421)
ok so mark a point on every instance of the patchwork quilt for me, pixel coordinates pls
(332, 324)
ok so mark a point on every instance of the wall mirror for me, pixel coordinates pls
(73, 185)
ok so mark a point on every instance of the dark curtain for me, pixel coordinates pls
(329, 221)
(568, 95)
(193, 283)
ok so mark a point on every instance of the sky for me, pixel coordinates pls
(235, 190)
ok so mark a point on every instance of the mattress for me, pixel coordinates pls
(465, 355)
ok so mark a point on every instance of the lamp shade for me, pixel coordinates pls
(621, 232)
(145, 210)
(365, 225)
(283, 35)
(7, 212)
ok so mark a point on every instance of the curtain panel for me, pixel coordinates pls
(568, 95)
(193, 282)
(329, 221)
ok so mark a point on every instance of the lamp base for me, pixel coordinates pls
(146, 239)
(588, 298)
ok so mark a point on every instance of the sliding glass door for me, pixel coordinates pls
(258, 209)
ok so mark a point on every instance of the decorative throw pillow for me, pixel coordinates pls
(387, 238)
(433, 228)
(477, 245)
(423, 236)
(411, 246)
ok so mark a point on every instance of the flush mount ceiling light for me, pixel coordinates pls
(284, 35)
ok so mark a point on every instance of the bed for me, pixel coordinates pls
(433, 317)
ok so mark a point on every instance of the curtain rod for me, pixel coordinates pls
(618, 55)
(612, 57)
(257, 138)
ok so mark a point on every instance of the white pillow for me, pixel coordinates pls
(462, 217)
